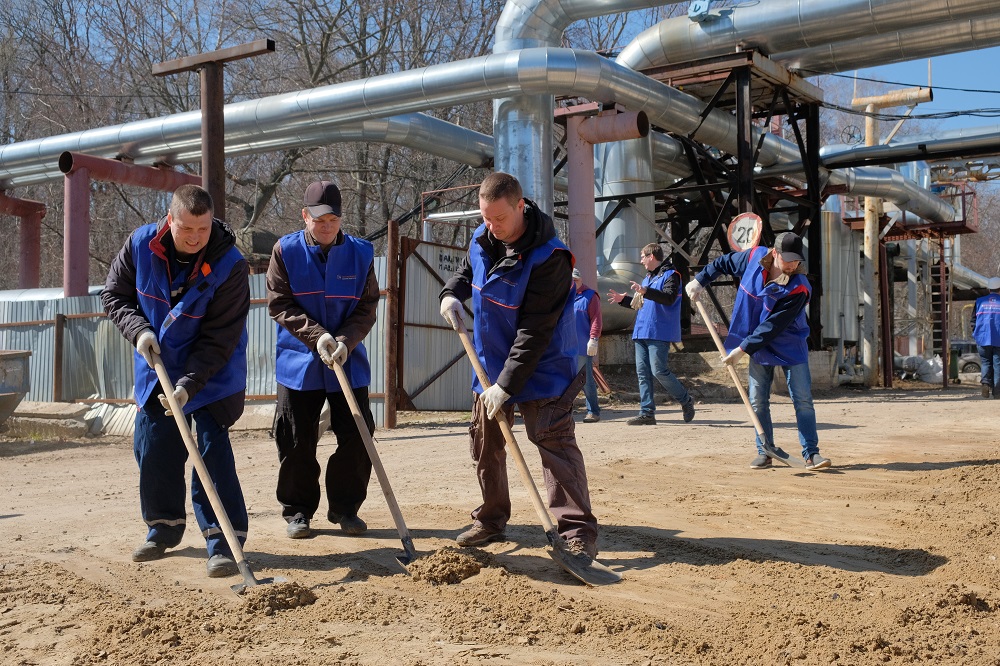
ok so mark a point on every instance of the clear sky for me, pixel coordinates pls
(973, 70)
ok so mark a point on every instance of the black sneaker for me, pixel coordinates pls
(149, 551)
(298, 527)
(986, 390)
(642, 419)
(221, 566)
(479, 535)
(688, 410)
(761, 462)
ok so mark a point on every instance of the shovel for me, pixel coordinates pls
(409, 553)
(593, 572)
(778, 454)
(206, 481)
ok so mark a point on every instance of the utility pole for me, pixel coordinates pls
(213, 133)
(871, 321)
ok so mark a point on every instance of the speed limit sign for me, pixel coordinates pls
(744, 231)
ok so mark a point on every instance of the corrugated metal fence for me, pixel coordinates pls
(79, 354)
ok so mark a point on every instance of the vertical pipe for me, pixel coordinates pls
(30, 273)
(580, 195)
(57, 364)
(870, 278)
(744, 149)
(885, 329)
(76, 233)
(213, 149)
(943, 314)
(391, 321)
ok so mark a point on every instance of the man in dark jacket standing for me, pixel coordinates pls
(769, 325)
(323, 295)
(657, 324)
(180, 288)
(518, 275)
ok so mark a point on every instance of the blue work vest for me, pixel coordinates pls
(987, 331)
(754, 302)
(328, 291)
(496, 303)
(656, 321)
(177, 328)
(580, 303)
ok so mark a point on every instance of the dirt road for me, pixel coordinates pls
(889, 557)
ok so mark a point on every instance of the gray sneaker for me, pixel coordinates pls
(816, 461)
(580, 548)
(986, 390)
(642, 419)
(761, 462)
(478, 535)
(298, 527)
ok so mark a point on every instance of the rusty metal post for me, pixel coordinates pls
(31, 214)
(76, 233)
(213, 149)
(391, 322)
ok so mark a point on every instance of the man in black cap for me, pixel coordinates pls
(323, 294)
(769, 325)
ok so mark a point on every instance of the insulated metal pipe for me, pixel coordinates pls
(778, 26)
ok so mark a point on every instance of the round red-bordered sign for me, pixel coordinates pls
(744, 231)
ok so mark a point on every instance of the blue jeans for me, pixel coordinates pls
(161, 455)
(590, 386)
(652, 359)
(989, 366)
(799, 389)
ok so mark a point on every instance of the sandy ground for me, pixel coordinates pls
(889, 557)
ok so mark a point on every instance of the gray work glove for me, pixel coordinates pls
(180, 395)
(694, 289)
(146, 343)
(326, 346)
(451, 310)
(592, 347)
(734, 357)
(493, 399)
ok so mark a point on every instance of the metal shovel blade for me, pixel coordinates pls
(240, 588)
(408, 555)
(582, 568)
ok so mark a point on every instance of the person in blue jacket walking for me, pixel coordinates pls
(986, 332)
(323, 295)
(589, 323)
(180, 288)
(769, 325)
(657, 324)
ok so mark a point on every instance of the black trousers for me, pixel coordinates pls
(296, 432)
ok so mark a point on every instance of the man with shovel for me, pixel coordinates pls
(769, 325)
(518, 275)
(179, 291)
(323, 294)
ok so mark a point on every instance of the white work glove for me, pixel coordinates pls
(326, 347)
(493, 399)
(180, 395)
(451, 310)
(592, 347)
(339, 354)
(694, 289)
(734, 357)
(146, 343)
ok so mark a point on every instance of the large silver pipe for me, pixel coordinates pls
(778, 26)
(522, 124)
(898, 46)
(968, 140)
(529, 71)
(413, 130)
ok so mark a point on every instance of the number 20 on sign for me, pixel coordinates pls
(744, 231)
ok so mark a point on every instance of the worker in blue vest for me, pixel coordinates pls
(986, 332)
(657, 324)
(180, 288)
(518, 275)
(323, 294)
(769, 325)
(587, 309)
